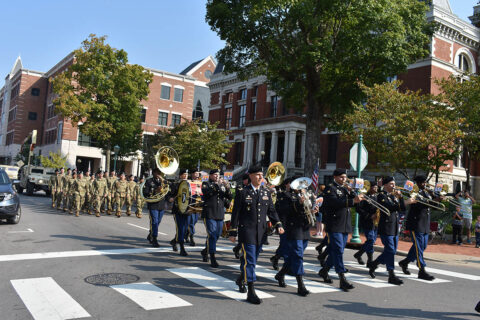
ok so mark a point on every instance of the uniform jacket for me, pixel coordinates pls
(59, 182)
(292, 216)
(100, 187)
(120, 188)
(249, 216)
(131, 188)
(367, 213)
(337, 201)
(149, 190)
(388, 225)
(216, 198)
(78, 186)
(418, 218)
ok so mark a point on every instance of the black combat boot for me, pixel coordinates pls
(236, 251)
(251, 295)
(204, 255)
(422, 274)
(173, 243)
(241, 284)
(358, 256)
(393, 279)
(344, 284)
(372, 267)
(319, 248)
(274, 260)
(149, 237)
(155, 242)
(323, 273)
(280, 276)
(192, 242)
(404, 265)
(477, 308)
(213, 261)
(182, 250)
(322, 257)
(369, 258)
(302, 291)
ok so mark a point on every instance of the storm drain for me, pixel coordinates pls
(109, 279)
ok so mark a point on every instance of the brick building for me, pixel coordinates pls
(27, 103)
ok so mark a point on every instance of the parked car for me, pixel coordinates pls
(10, 208)
(12, 171)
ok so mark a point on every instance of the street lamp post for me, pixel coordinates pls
(262, 154)
(115, 150)
(139, 157)
(223, 164)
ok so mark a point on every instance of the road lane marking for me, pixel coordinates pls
(447, 273)
(46, 300)
(28, 230)
(313, 286)
(215, 282)
(149, 296)
(140, 227)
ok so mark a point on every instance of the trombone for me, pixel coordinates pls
(371, 201)
(414, 194)
(443, 193)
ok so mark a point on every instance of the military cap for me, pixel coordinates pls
(373, 183)
(214, 171)
(420, 178)
(182, 171)
(69, 169)
(339, 171)
(255, 168)
(245, 176)
(56, 170)
(122, 174)
(387, 179)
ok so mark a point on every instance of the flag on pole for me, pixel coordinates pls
(315, 177)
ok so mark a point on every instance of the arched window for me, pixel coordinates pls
(463, 62)
(198, 111)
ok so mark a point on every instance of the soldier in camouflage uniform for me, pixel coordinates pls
(100, 191)
(130, 194)
(120, 191)
(138, 198)
(52, 186)
(87, 202)
(59, 184)
(66, 184)
(91, 194)
(111, 196)
(71, 192)
(79, 189)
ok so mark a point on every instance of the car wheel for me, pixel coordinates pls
(16, 219)
(30, 188)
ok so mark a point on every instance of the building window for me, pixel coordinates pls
(243, 94)
(285, 108)
(178, 95)
(243, 110)
(50, 136)
(143, 116)
(9, 138)
(12, 115)
(32, 116)
(332, 148)
(165, 92)
(176, 118)
(15, 91)
(228, 97)
(238, 153)
(254, 110)
(463, 62)
(50, 111)
(273, 106)
(162, 118)
(35, 92)
(198, 112)
(85, 141)
(255, 91)
(228, 118)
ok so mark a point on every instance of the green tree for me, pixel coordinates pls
(54, 160)
(102, 92)
(464, 98)
(405, 131)
(315, 52)
(195, 142)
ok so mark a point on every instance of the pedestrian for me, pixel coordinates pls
(477, 232)
(457, 226)
(318, 216)
(466, 203)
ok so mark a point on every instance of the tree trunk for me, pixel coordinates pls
(313, 131)
(107, 158)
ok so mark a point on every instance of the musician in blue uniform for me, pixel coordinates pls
(193, 217)
(156, 209)
(249, 220)
(181, 219)
(294, 209)
(368, 213)
(244, 184)
(216, 197)
(418, 223)
(337, 201)
(388, 229)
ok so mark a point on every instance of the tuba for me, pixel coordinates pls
(301, 186)
(166, 159)
(275, 176)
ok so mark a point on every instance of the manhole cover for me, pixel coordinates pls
(109, 279)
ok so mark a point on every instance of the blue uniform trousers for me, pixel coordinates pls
(387, 257)
(294, 260)
(336, 245)
(248, 260)
(214, 230)
(282, 249)
(192, 220)
(420, 242)
(371, 236)
(155, 219)
(181, 222)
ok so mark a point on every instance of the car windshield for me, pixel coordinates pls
(37, 171)
(4, 178)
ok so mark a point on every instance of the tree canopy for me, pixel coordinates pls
(54, 160)
(314, 53)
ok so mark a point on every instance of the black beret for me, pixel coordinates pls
(194, 170)
(387, 179)
(182, 171)
(214, 171)
(56, 170)
(288, 180)
(255, 168)
(99, 171)
(420, 178)
(156, 170)
(122, 174)
(69, 169)
(245, 176)
(339, 172)
(373, 183)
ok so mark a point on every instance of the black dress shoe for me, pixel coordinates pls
(323, 273)
(204, 255)
(274, 260)
(183, 253)
(422, 274)
(358, 256)
(236, 251)
(155, 242)
(344, 284)
(213, 261)
(192, 242)
(280, 277)
(371, 268)
(393, 279)
(302, 291)
(149, 237)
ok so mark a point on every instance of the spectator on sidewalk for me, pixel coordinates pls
(457, 226)
(466, 204)
(477, 232)
(319, 216)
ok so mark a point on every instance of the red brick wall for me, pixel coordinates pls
(442, 50)
(199, 74)
(417, 79)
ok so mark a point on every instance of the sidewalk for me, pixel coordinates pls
(438, 251)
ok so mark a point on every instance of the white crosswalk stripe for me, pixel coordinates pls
(214, 282)
(46, 300)
(447, 273)
(312, 286)
(149, 296)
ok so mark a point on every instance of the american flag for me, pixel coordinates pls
(315, 178)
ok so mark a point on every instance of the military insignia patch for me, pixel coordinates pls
(265, 198)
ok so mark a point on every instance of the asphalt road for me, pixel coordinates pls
(57, 266)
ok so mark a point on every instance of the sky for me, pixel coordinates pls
(162, 34)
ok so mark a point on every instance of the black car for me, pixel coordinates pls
(9, 200)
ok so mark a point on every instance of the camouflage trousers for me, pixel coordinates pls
(59, 198)
(119, 202)
(79, 201)
(98, 202)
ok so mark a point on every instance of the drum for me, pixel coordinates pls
(189, 197)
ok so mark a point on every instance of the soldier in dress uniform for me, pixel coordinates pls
(139, 201)
(100, 191)
(181, 220)
(418, 223)
(337, 201)
(388, 229)
(52, 186)
(59, 184)
(244, 184)
(297, 232)
(79, 189)
(216, 197)
(66, 185)
(368, 213)
(156, 209)
(131, 184)
(120, 191)
(251, 207)
(193, 217)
